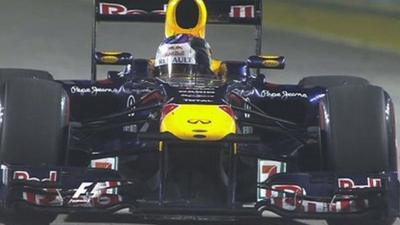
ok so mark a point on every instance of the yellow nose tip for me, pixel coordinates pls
(185, 123)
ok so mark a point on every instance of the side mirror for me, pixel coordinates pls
(113, 58)
(266, 62)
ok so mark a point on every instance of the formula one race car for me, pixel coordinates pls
(188, 137)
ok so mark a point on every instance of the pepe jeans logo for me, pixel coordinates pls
(94, 90)
(282, 95)
(269, 94)
(197, 121)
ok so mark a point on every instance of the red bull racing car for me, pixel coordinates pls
(185, 136)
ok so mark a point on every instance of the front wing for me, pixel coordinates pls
(295, 195)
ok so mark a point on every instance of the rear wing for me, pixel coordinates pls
(234, 12)
(219, 11)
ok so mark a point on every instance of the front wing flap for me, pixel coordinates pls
(319, 195)
(298, 195)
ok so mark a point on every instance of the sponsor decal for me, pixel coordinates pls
(175, 54)
(24, 175)
(113, 9)
(106, 163)
(279, 196)
(286, 197)
(197, 93)
(109, 59)
(266, 169)
(176, 60)
(130, 104)
(306, 206)
(91, 194)
(196, 96)
(282, 94)
(271, 63)
(53, 198)
(270, 94)
(247, 130)
(347, 183)
(175, 50)
(94, 90)
(88, 194)
(111, 53)
(197, 121)
(209, 92)
(90, 189)
(189, 100)
(242, 11)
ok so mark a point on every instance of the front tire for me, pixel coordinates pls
(359, 137)
(33, 130)
(11, 73)
(387, 221)
(34, 122)
(331, 81)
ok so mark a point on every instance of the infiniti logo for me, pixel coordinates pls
(196, 121)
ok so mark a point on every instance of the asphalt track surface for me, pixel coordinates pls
(54, 35)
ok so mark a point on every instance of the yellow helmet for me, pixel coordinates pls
(186, 17)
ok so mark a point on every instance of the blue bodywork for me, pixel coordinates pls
(110, 119)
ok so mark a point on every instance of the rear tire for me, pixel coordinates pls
(355, 125)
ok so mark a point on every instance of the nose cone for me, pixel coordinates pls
(186, 17)
(199, 123)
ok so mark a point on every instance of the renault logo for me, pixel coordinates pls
(197, 121)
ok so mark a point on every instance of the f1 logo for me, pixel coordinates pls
(93, 189)
(88, 189)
